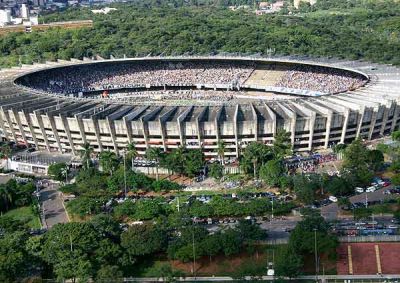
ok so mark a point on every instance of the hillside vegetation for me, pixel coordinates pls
(367, 30)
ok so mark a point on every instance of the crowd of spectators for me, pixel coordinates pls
(133, 75)
(308, 164)
(321, 79)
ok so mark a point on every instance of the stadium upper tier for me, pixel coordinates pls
(196, 102)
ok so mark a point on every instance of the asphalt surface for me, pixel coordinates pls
(330, 212)
(52, 205)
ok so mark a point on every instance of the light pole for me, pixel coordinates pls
(316, 255)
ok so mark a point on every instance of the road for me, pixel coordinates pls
(321, 278)
(52, 205)
(330, 212)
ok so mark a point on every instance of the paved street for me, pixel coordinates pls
(52, 205)
(280, 228)
(330, 212)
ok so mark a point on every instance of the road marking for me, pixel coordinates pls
(378, 259)
(350, 259)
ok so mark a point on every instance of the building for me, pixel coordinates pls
(5, 17)
(296, 3)
(24, 11)
(63, 124)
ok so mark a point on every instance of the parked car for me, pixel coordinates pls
(359, 190)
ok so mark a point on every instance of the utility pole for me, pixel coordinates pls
(194, 254)
(272, 211)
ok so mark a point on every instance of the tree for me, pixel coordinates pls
(140, 240)
(56, 171)
(305, 187)
(272, 171)
(211, 245)
(109, 161)
(288, 263)
(375, 159)
(5, 152)
(132, 153)
(356, 164)
(155, 153)
(86, 154)
(194, 162)
(282, 144)
(109, 273)
(255, 155)
(14, 259)
(216, 171)
(221, 151)
(396, 136)
(69, 249)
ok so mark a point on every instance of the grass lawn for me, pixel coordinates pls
(25, 214)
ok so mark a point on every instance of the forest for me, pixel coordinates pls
(363, 30)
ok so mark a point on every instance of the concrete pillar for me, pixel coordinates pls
(385, 118)
(81, 129)
(10, 125)
(40, 122)
(345, 124)
(31, 129)
(360, 121)
(373, 122)
(97, 133)
(328, 129)
(111, 129)
(55, 132)
(21, 128)
(311, 130)
(68, 132)
(163, 134)
(395, 117)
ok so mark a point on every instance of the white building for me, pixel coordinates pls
(24, 11)
(5, 17)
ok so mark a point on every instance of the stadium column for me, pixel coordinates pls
(179, 121)
(68, 133)
(3, 127)
(360, 121)
(111, 129)
(216, 125)
(31, 129)
(21, 128)
(97, 133)
(385, 118)
(395, 117)
(311, 130)
(198, 130)
(81, 129)
(10, 124)
(128, 128)
(163, 135)
(293, 128)
(373, 121)
(255, 122)
(235, 128)
(145, 132)
(345, 123)
(55, 132)
(328, 129)
(41, 127)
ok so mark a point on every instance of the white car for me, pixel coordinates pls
(370, 189)
(333, 199)
(359, 190)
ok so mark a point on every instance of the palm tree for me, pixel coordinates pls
(5, 152)
(108, 161)
(6, 197)
(132, 152)
(86, 153)
(154, 153)
(221, 151)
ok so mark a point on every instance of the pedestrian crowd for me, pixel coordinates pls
(144, 75)
(321, 79)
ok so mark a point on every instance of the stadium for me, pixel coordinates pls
(196, 102)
